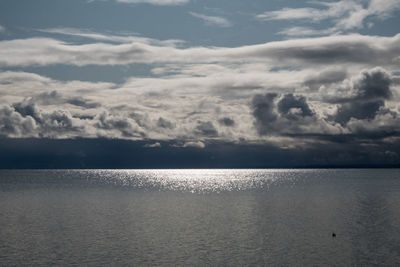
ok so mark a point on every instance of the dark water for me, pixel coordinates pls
(200, 217)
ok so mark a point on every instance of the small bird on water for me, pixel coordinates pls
(333, 234)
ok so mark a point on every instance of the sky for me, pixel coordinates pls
(198, 83)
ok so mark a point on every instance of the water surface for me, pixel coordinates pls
(200, 217)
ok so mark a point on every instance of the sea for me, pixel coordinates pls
(200, 217)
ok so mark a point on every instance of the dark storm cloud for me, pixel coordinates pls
(292, 107)
(370, 84)
(280, 116)
(373, 84)
(264, 112)
(358, 109)
(368, 94)
(226, 122)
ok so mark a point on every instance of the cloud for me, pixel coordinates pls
(197, 144)
(2, 29)
(264, 112)
(373, 84)
(332, 10)
(125, 38)
(299, 94)
(345, 15)
(355, 49)
(164, 123)
(289, 93)
(366, 95)
(292, 107)
(25, 119)
(369, 84)
(115, 123)
(358, 110)
(206, 129)
(212, 20)
(307, 31)
(286, 116)
(153, 145)
(342, 106)
(13, 124)
(325, 78)
(55, 98)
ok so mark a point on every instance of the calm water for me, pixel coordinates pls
(200, 217)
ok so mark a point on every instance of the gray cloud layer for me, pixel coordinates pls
(355, 49)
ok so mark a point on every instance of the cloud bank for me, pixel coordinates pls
(355, 49)
(301, 94)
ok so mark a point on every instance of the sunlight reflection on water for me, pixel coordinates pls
(195, 180)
